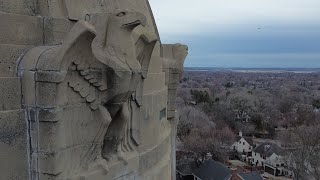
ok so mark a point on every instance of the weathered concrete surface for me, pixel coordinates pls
(20, 30)
(173, 59)
(10, 94)
(13, 145)
(25, 7)
(55, 30)
(87, 91)
(9, 58)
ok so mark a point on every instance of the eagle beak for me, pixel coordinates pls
(133, 24)
(136, 20)
(143, 21)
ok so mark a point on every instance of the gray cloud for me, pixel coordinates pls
(189, 16)
(245, 33)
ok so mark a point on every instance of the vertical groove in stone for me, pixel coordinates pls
(43, 30)
(29, 150)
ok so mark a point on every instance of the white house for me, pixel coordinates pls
(269, 153)
(243, 144)
(271, 157)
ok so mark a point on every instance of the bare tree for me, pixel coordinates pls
(200, 142)
(304, 150)
(191, 117)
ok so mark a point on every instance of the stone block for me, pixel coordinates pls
(28, 89)
(154, 83)
(50, 76)
(77, 9)
(9, 57)
(46, 94)
(174, 80)
(150, 158)
(55, 30)
(153, 127)
(155, 65)
(21, 30)
(159, 172)
(116, 171)
(24, 7)
(53, 8)
(10, 94)
(67, 161)
(52, 136)
(73, 126)
(13, 145)
(49, 115)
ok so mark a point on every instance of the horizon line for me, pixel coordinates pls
(252, 67)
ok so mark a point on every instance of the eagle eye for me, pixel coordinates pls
(121, 14)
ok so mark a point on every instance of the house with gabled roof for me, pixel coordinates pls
(250, 176)
(268, 153)
(271, 157)
(243, 144)
(212, 170)
(185, 168)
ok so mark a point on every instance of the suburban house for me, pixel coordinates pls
(244, 146)
(270, 156)
(212, 170)
(185, 168)
(267, 153)
(250, 176)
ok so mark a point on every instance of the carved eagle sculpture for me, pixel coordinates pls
(111, 66)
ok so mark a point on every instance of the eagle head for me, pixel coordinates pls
(128, 19)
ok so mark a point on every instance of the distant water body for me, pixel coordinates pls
(254, 70)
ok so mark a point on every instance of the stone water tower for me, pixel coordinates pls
(87, 91)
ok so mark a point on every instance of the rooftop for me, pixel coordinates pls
(248, 139)
(250, 176)
(268, 148)
(212, 170)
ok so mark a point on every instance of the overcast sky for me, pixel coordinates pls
(243, 33)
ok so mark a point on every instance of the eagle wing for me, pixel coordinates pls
(90, 74)
(94, 82)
